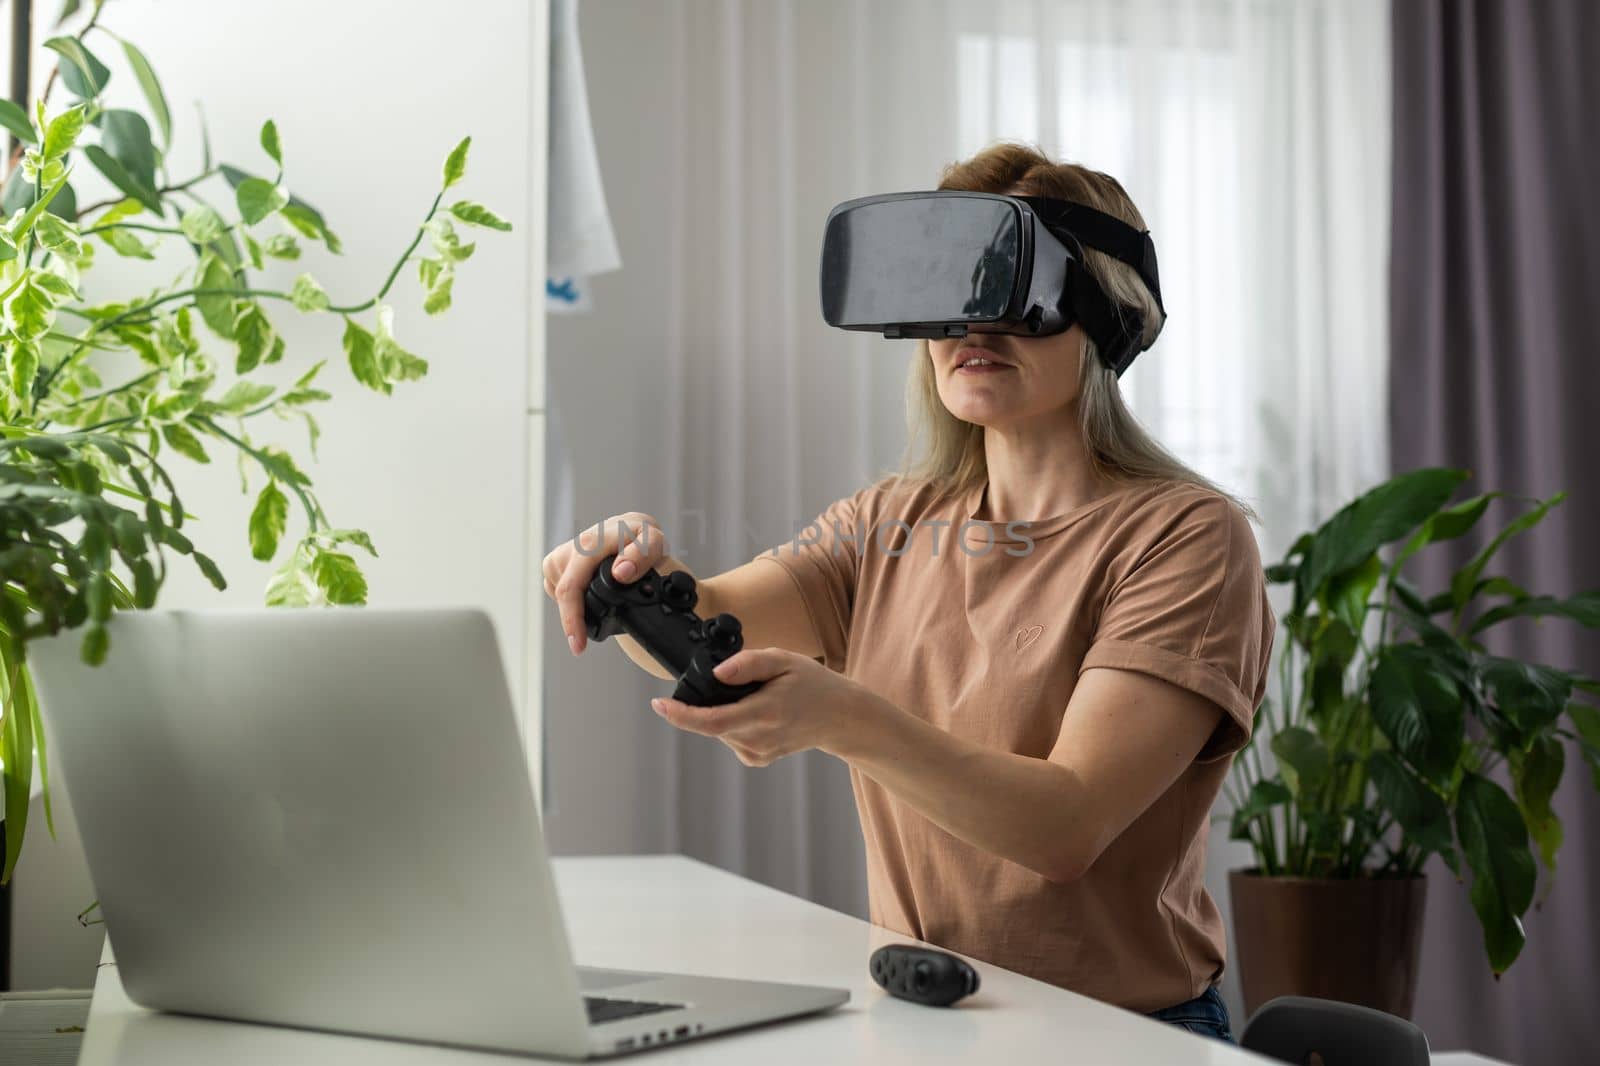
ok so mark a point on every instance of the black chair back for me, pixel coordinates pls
(1295, 1028)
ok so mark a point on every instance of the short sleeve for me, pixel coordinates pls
(1193, 611)
(824, 559)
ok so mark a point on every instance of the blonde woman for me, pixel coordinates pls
(1037, 650)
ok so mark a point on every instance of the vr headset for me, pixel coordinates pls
(949, 263)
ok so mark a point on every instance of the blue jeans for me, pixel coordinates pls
(1205, 1014)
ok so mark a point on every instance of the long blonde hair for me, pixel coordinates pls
(1119, 449)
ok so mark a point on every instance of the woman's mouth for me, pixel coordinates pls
(979, 361)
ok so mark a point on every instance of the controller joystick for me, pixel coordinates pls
(724, 635)
(678, 591)
(658, 612)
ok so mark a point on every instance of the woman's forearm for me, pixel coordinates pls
(1031, 811)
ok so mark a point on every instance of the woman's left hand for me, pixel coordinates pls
(802, 705)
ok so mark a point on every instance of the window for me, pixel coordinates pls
(1162, 120)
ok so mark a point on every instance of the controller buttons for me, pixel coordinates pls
(724, 635)
(678, 591)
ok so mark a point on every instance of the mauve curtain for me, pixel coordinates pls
(1495, 333)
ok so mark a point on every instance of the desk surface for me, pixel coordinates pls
(671, 913)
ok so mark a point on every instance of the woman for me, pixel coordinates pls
(1038, 713)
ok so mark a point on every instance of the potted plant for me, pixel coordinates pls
(99, 397)
(1391, 726)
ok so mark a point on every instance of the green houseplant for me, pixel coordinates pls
(1392, 722)
(98, 397)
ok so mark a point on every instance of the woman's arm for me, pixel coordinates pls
(1125, 739)
(764, 598)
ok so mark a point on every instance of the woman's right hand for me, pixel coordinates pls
(634, 538)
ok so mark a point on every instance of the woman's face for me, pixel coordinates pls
(1025, 377)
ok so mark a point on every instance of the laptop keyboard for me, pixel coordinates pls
(609, 1010)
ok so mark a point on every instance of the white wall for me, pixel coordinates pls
(610, 760)
(368, 97)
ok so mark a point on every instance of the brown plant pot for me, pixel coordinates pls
(1354, 940)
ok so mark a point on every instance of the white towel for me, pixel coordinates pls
(580, 239)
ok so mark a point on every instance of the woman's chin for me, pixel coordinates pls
(980, 411)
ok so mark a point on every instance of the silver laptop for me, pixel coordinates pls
(323, 818)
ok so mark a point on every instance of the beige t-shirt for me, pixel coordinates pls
(1159, 577)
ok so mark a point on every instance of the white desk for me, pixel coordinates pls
(671, 913)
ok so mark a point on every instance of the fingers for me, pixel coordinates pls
(754, 664)
(645, 545)
(568, 570)
(581, 560)
(703, 720)
(733, 724)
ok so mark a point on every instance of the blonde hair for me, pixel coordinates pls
(1119, 448)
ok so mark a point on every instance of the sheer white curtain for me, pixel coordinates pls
(1252, 133)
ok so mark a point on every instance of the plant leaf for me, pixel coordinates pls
(242, 396)
(124, 243)
(210, 570)
(125, 136)
(96, 641)
(307, 295)
(58, 236)
(118, 176)
(22, 366)
(349, 536)
(1264, 795)
(1347, 594)
(280, 464)
(1420, 810)
(202, 224)
(339, 578)
(215, 304)
(1494, 842)
(145, 584)
(82, 73)
(62, 133)
(1466, 579)
(455, 164)
(438, 299)
(15, 119)
(310, 375)
(305, 219)
(24, 225)
(1448, 524)
(1584, 608)
(358, 346)
(1534, 778)
(475, 214)
(268, 521)
(146, 75)
(270, 143)
(16, 749)
(258, 198)
(1586, 723)
(184, 442)
(1530, 695)
(1377, 517)
(32, 307)
(282, 246)
(256, 337)
(1302, 757)
(1419, 708)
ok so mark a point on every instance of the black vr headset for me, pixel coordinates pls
(949, 263)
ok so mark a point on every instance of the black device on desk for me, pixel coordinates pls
(922, 975)
(658, 612)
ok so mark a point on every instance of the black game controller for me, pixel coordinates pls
(922, 975)
(658, 612)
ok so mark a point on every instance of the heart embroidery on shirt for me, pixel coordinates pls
(1028, 636)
